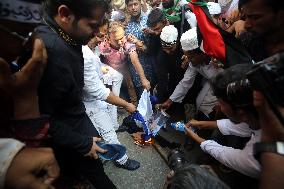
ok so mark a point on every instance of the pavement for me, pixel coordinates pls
(150, 175)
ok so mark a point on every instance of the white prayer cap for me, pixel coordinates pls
(169, 34)
(214, 8)
(189, 40)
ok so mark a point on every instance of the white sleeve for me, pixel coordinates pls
(239, 160)
(92, 83)
(8, 150)
(227, 127)
(184, 85)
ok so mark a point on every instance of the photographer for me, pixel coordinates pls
(264, 18)
(238, 107)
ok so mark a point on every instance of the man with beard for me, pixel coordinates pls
(264, 19)
(67, 26)
(169, 72)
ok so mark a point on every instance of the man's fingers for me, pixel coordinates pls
(96, 139)
(95, 155)
(53, 172)
(99, 149)
(96, 147)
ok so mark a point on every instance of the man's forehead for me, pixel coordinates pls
(133, 2)
(119, 34)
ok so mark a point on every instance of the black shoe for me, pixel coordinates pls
(122, 128)
(129, 165)
(130, 124)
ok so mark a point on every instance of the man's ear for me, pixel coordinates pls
(65, 14)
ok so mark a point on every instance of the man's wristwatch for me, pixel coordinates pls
(273, 147)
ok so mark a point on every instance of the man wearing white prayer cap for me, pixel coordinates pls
(215, 12)
(214, 8)
(167, 66)
(199, 62)
(169, 36)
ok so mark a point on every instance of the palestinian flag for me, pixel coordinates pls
(217, 42)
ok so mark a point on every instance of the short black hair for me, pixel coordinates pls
(80, 8)
(241, 97)
(276, 5)
(191, 176)
(155, 16)
(127, 1)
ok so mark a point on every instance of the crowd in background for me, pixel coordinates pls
(66, 66)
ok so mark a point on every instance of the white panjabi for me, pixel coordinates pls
(214, 8)
(169, 34)
(189, 40)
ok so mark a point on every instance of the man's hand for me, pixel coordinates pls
(233, 17)
(105, 69)
(194, 123)
(239, 27)
(146, 84)
(95, 148)
(185, 62)
(188, 131)
(132, 39)
(33, 168)
(22, 86)
(166, 105)
(131, 108)
(26, 80)
(149, 31)
(191, 134)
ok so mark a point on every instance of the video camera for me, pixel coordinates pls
(266, 76)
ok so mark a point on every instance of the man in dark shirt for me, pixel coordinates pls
(67, 26)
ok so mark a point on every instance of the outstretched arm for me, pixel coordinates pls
(136, 63)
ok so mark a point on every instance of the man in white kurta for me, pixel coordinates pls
(241, 160)
(96, 95)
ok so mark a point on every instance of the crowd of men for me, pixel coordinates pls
(67, 65)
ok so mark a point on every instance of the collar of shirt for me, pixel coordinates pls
(56, 28)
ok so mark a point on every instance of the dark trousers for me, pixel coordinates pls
(75, 165)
